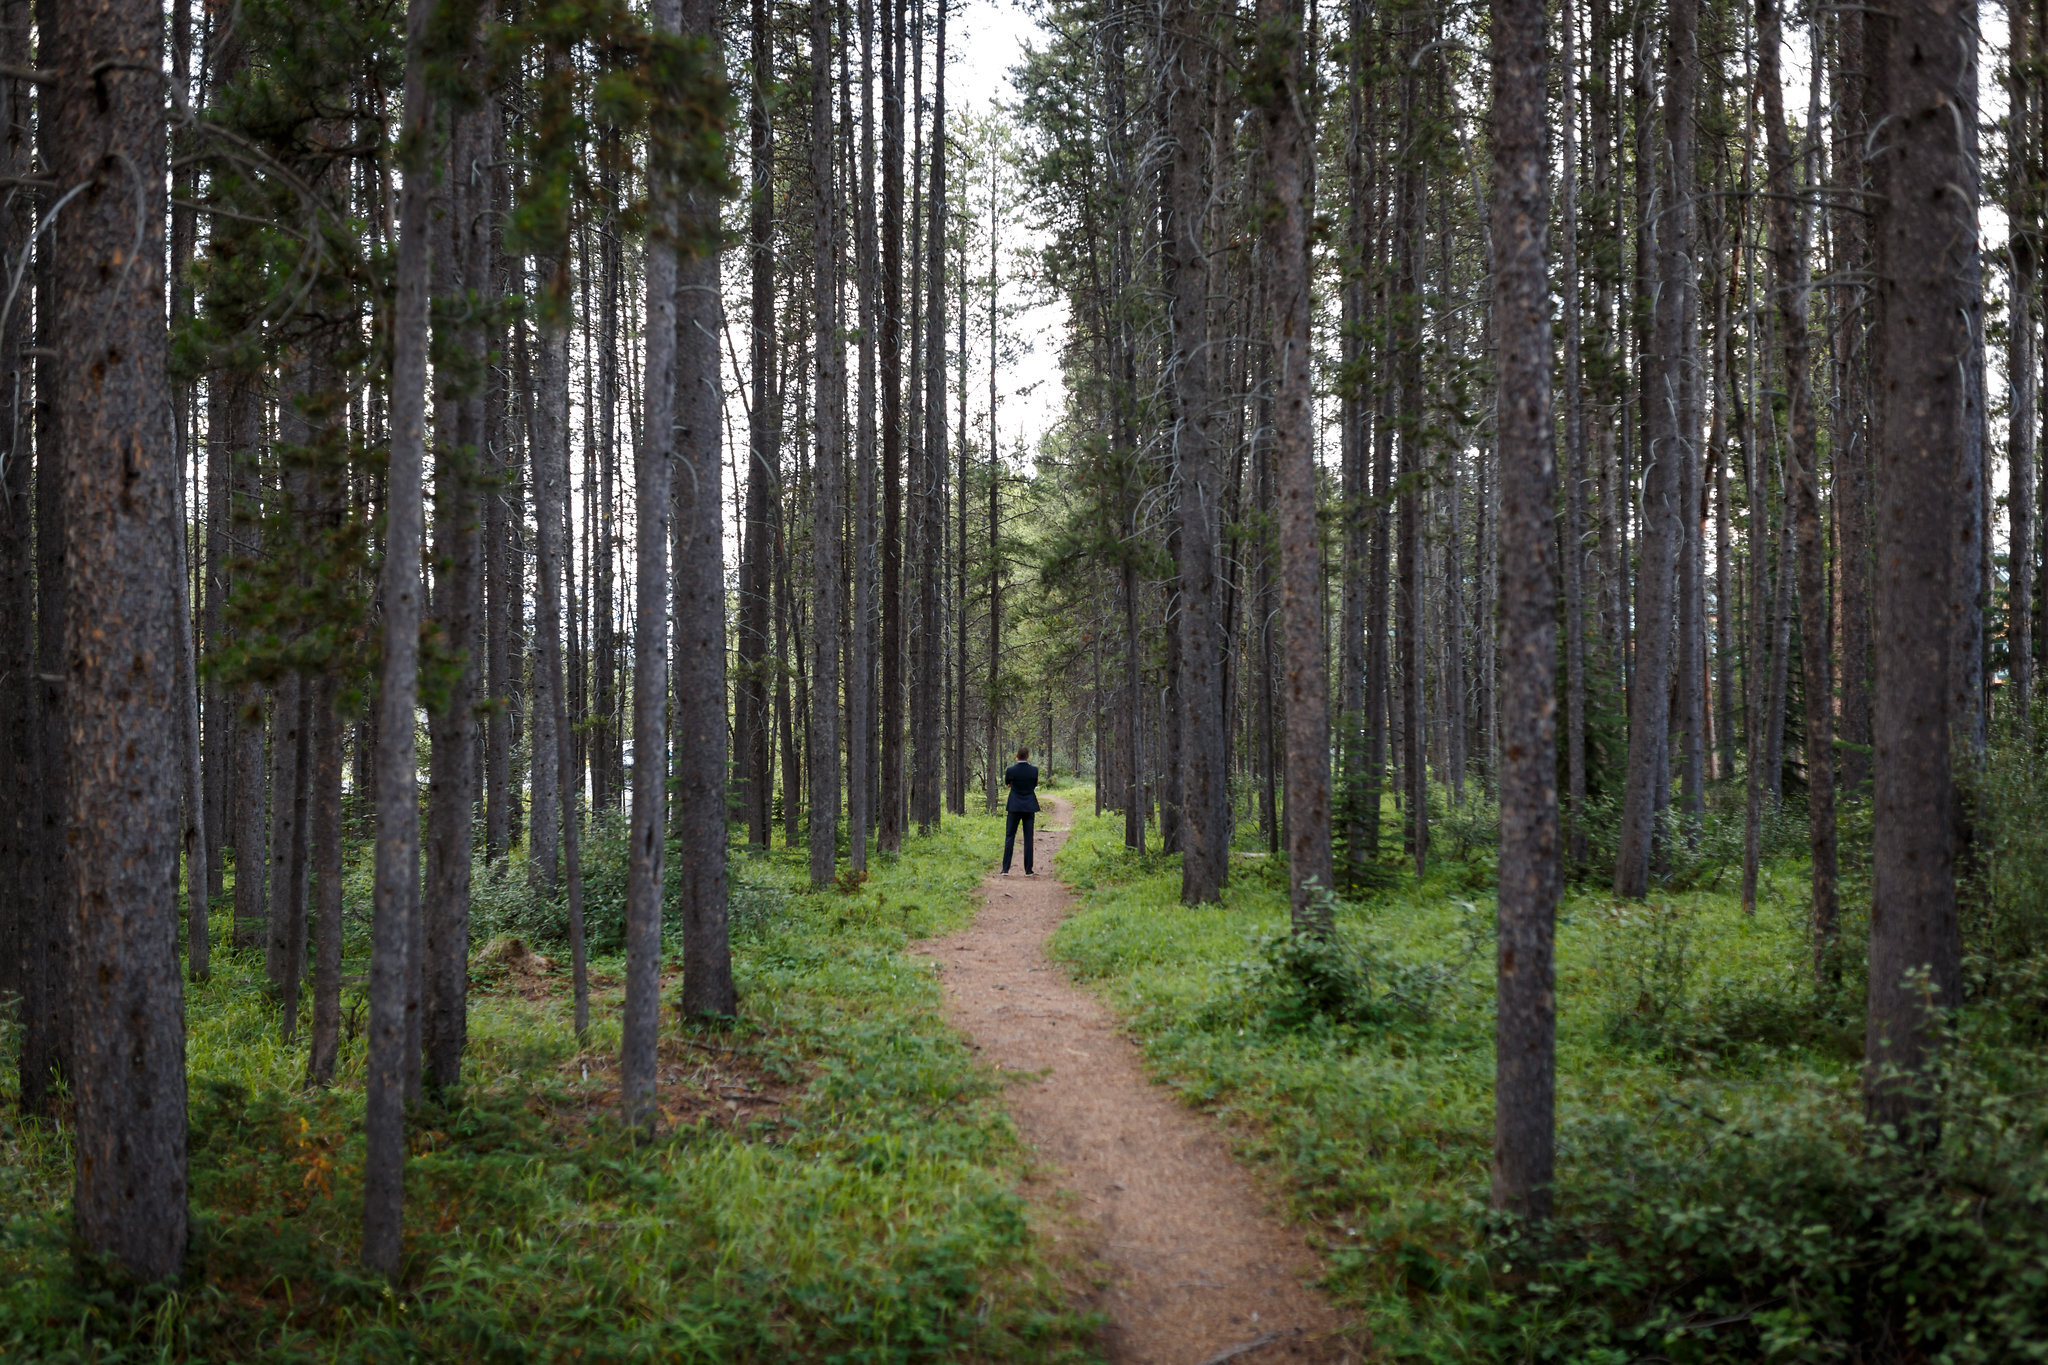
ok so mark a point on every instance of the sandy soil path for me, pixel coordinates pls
(1199, 1270)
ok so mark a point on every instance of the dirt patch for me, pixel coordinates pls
(1193, 1265)
(696, 1084)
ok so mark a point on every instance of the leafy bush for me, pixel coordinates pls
(1785, 1229)
(1295, 982)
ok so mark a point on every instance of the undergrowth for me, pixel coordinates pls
(860, 1208)
(1720, 1196)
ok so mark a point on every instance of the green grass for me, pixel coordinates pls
(1720, 1198)
(870, 1216)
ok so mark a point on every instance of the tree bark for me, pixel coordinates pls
(927, 709)
(397, 855)
(828, 472)
(457, 609)
(1922, 63)
(1575, 475)
(1525, 1031)
(1204, 797)
(889, 817)
(646, 848)
(1662, 538)
(1792, 284)
(699, 809)
(756, 757)
(121, 811)
(20, 783)
(326, 862)
(860, 709)
(2022, 365)
(1287, 146)
(1854, 443)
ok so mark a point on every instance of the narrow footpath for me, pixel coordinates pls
(1198, 1270)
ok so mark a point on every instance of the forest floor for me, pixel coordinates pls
(1188, 1261)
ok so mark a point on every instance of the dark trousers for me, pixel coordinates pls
(1010, 836)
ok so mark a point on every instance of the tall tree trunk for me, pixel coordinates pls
(1575, 454)
(1351, 635)
(398, 835)
(1409, 607)
(2022, 366)
(121, 811)
(927, 709)
(699, 807)
(1668, 434)
(457, 608)
(640, 1030)
(756, 758)
(889, 818)
(1922, 65)
(828, 475)
(1791, 286)
(860, 673)
(1525, 1031)
(1855, 441)
(504, 574)
(20, 784)
(1204, 786)
(1287, 145)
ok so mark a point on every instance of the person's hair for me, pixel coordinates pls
(1023, 753)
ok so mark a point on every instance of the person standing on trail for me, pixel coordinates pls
(1022, 780)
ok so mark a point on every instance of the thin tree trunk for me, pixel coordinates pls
(1791, 281)
(860, 709)
(640, 1030)
(2022, 367)
(1664, 487)
(21, 795)
(828, 487)
(326, 863)
(1855, 443)
(1202, 803)
(1409, 609)
(1525, 1030)
(889, 818)
(457, 608)
(1351, 651)
(287, 848)
(397, 870)
(1575, 470)
(927, 711)
(756, 757)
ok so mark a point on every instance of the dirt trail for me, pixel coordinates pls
(1198, 1270)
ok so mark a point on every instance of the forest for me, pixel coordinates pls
(546, 544)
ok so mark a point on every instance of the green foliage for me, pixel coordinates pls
(1292, 981)
(868, 1216)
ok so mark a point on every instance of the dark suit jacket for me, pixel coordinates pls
(1022, 780)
